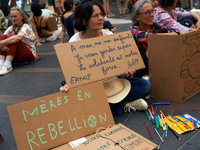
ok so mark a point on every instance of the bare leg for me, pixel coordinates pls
(58, 3)
(62, 4)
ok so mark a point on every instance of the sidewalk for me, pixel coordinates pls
(42, 78)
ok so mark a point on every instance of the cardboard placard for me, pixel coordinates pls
(56, 119)
(98, 58)
(174, 65)
(117, 137)
(53, 23)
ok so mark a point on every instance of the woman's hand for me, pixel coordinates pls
(5, 48)
(38, 44)
(114, 29)
(129, 73)
(65, 88)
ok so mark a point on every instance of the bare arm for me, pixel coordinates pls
(62, 33)
(36, 34)
(11, 40)
(197, 18)
(55, 15)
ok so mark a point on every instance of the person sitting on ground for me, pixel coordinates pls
(187, 21)
(155, 3)
(17, 44)
(42, 24)
(6, 12)
(67, 19)
(88, 20)
(3, 24)
(142, 17)
(46, 12)
(166, 16)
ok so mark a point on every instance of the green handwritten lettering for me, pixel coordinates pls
(42, 107)
(104, 118)
(52, 129)
(52, 105)
(60, 127)
(40, 135)
(80, 99)
(31, 140)
(24, 111)
(66, 99)
(70, 126)
(84, 122)
(87, 94)
(76, 124)
(59, 101)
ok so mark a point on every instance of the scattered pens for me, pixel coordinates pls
(174, 133)
(159, 135)
(152, 110)
(155, 112)
(166, 129)
(160, 104)
(149, 132)
(147, 114)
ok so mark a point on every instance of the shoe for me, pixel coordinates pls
(138, 104)
(125, 14)
(5, 69)
(121, 15)
(111, 15)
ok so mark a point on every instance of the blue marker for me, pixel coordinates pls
(166, 129)
(160, 104)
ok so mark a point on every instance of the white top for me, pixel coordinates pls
(46, 13)
(76, 36)
(28, 39)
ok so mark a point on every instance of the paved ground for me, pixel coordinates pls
(43, 78)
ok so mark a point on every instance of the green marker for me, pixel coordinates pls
(147, 114)
(160, 121)
(156, 122)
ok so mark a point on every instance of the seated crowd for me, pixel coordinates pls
(88, 20)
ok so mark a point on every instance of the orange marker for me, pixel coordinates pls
(152, 111)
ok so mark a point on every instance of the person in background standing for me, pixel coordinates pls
(122, 4)
(106, 6)
(21, 4)
(60, 3)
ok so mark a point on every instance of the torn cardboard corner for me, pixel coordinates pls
(117, 137)
(94, 59)
(174, 65)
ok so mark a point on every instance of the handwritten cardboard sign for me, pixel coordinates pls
(56, 119)
(98, 58)
(117, 137)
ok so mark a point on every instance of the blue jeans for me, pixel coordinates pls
(21, 4)
(140, 88)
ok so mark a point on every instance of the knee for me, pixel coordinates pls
(147, 87)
